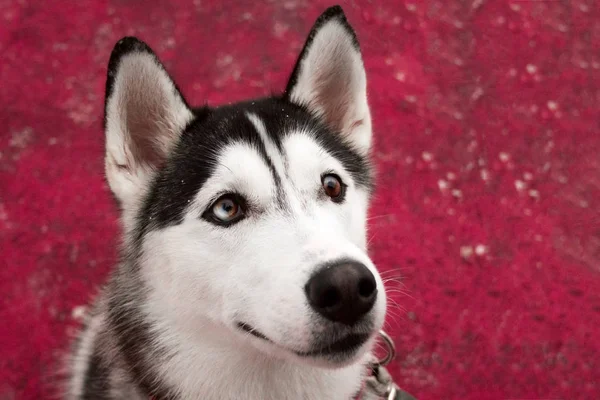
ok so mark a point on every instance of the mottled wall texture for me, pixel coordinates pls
(487, 213)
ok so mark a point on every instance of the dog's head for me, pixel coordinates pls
(251, 218)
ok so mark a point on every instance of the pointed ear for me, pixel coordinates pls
(145, 115)
(330, 80)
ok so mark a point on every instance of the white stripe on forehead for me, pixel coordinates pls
(239, 169)
(271, 149)
(307, 161)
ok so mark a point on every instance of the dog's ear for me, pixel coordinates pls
(144, 116)
(330, 80)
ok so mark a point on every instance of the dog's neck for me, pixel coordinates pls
(219, 367)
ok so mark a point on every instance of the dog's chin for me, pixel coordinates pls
(346, 350)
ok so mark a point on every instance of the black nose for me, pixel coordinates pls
(342, 292)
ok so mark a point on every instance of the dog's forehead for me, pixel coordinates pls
(266, 125)
(270, 173)
(282, 140)
(269, 166)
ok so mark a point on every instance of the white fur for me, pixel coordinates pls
(80, 360)
(204, 278)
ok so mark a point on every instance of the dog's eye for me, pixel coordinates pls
(334, 187)
(226, 210)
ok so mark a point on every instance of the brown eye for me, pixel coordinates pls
(334, 187)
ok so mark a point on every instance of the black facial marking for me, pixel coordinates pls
(275, 138)
(282, 117)
(258, 142)
(194, 158)
(193, 161)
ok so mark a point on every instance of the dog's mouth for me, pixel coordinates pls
(247, 328)
(348, 344)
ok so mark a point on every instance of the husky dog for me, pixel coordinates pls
(244, 271)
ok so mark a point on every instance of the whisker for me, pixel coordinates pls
(379, 216)
(371, 239)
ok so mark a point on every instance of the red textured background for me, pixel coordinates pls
(487, 118)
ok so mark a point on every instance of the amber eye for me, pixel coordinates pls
(226, 210)
(333, 187)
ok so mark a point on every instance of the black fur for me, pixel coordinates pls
(96, 385)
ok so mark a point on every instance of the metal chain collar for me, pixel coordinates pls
(380, 385)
